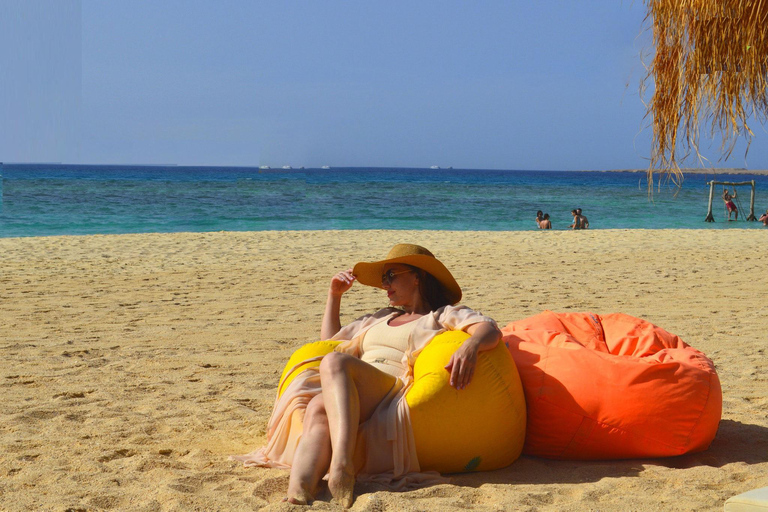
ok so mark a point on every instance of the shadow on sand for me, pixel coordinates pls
(734, 442)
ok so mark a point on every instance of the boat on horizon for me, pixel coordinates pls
(326, 167)
(264, 167)
(435, 167)
(287, 167)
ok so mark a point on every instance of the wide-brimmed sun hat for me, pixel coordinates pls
(369, 273)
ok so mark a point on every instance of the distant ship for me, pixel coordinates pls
(264, 167)
(326, 167)
(287, 167)
(435, 167)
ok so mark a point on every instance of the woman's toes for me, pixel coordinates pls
(300, 498)
(342, 489)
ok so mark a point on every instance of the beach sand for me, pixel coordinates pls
(133, 365)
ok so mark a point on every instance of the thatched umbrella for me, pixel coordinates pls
(709, 67)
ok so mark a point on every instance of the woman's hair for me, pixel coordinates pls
(431, 290)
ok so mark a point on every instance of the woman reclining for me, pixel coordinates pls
(355, 417)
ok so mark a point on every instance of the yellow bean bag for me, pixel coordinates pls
(479, 428)
(298, 361)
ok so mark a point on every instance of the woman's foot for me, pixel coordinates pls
(342, 487)
(302, 497)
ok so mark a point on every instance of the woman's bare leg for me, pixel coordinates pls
(352, 390)
(313, 455)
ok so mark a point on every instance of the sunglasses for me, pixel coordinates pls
(388, 276)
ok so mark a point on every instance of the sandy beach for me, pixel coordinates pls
(133, 365)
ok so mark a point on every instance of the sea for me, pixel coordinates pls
(56, 199)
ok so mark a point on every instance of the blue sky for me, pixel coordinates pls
(490, 84)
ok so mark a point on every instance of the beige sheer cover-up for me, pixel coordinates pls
(386, 450)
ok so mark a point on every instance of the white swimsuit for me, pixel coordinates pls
(384, 347)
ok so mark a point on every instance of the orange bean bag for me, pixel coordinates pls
(612, 387)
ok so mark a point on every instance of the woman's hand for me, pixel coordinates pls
(462, 364)
(482, 336)
(341, 282)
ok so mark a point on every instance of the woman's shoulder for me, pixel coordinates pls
(454, 307)
(380, 313)
(461, 315)
(455, 310)
(377, 315)
(384, 312)
(363, 323)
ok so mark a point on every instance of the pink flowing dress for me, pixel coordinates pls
(386, 451)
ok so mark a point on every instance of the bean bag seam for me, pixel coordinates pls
(570, 441)
(701, 413)
(545, 357)
(295, 368)
(601, 423)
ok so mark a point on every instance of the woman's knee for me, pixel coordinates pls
(335, 363)
(315, 413)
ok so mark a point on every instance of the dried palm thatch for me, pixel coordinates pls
(709, 67)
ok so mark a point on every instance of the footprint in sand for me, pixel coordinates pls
(117, 454)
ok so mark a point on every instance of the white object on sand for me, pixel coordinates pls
(755, 500)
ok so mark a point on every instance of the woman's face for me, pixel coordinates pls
(403, 287)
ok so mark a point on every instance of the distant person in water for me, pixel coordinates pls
(575, 224)
(729, 204)
(764, 218)
(539, 218)
(583, 222)
(545, 223)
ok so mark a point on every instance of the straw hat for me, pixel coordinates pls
(416, 256)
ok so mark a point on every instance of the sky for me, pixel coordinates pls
(543, 85)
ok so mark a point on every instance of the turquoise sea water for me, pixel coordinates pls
(42, 200)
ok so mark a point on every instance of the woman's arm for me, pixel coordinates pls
(482, 336)
(340, 283)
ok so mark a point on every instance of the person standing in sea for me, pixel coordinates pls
(575, 224)
(583, 222)
(729, 204)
